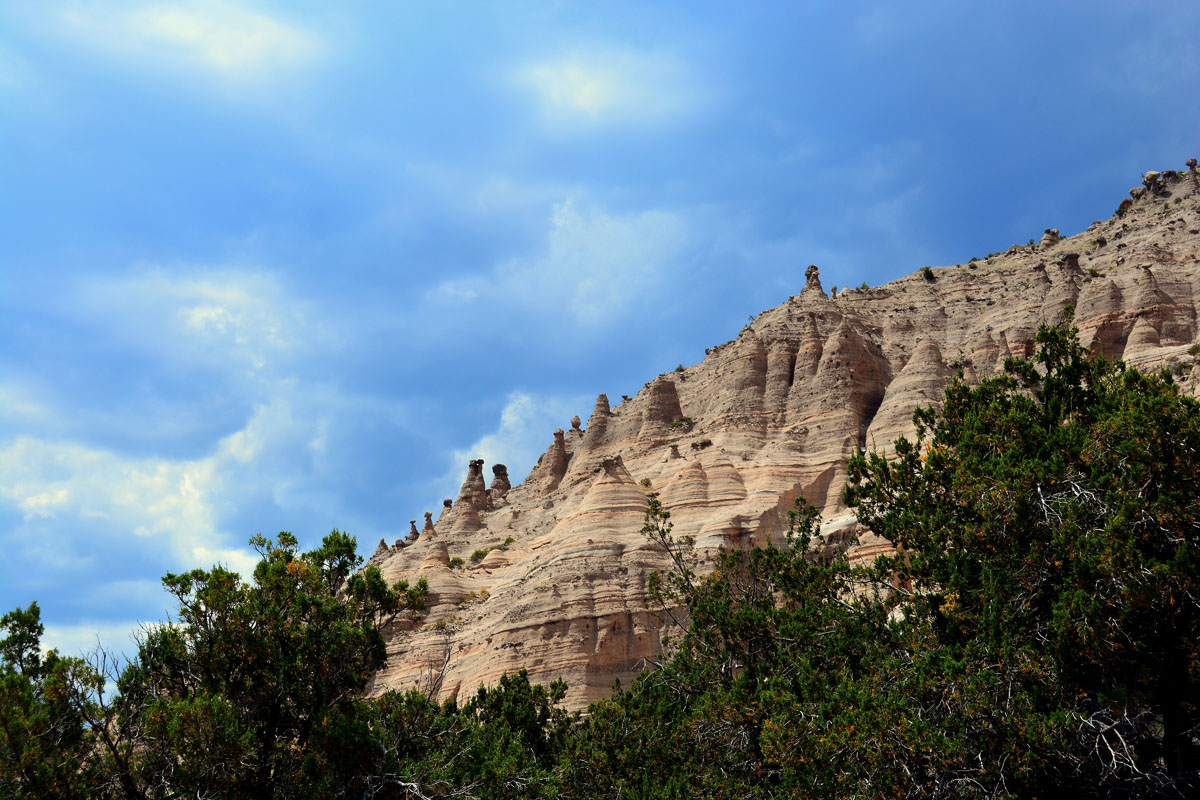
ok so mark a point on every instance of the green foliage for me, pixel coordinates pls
(230, 697)
(237, 696)
(503, 743)
(44, 711)
(1048, 524)
(765, 687)
(482, 552)
(1036, 633)
(927, 273)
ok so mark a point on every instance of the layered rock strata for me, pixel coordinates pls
(551, 575)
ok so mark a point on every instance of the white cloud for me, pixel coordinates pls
(40, 505)
(81, 502)
(522, 434)
(82, 638)
(147, 497)
(254, 342)
(618, 86)
(176, 505)
(593, 268)
(224, 318)
(225, 39)
(458, 290)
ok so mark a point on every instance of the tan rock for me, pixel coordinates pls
(550, 468)
(498, 492)
(764, 419)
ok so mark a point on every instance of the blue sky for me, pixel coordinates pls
(288, 266)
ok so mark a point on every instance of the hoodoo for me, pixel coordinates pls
(729, 443)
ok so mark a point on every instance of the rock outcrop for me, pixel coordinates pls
(498, 492)
(730, 443)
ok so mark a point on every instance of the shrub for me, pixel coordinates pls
(927, 273)
(1048, 522)
(256, 688)
(475, 596)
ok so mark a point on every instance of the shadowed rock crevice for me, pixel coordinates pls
(921, 382)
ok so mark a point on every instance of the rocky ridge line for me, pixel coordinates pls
(550, 575)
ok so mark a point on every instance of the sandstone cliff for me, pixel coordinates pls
(550, 575)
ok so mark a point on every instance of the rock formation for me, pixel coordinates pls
(551, 467)
(500, 486)
(730, 443)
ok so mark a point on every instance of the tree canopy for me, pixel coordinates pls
(1036, 632)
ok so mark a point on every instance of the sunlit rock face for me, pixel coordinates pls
(731, 442)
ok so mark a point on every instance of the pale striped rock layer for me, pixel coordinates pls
(731, 442)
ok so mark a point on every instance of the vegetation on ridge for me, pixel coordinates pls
(1037, 633)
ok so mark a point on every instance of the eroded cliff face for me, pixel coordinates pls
(774, 414)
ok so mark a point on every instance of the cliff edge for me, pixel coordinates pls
(550, 575)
